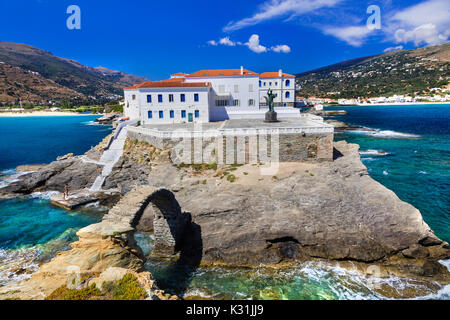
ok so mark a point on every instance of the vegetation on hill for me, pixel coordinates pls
(411, 72)
(31, 75)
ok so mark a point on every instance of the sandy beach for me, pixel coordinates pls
(42, 114)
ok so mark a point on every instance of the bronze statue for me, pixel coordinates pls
(269, 100)
(271, 115)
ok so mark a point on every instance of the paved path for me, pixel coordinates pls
(109, 159)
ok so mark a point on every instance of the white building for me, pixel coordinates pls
(210, 95)
(282, 85)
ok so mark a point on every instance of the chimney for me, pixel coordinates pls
(280, 73)
(242, 70)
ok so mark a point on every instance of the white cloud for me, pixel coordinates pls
(430, 11)
(227, 42)
(353, 35)
(425, 23)
(281, 48)
(254, 45)
(425, 34)
(393, 49)
(276, 8)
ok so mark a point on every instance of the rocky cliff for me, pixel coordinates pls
(304, 211)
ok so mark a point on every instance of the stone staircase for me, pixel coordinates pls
(109, 159)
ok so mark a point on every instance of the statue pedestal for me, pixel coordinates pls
(271, 116)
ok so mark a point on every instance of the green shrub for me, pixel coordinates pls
(126, 288)
(63, 293)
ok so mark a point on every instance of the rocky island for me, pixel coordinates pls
(232, 215)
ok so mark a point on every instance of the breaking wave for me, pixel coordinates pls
(386, 134)
(9, 176)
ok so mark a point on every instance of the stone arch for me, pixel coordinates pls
(162, 211)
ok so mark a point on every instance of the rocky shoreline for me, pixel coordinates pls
(328, 211)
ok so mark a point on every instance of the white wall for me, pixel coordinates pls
(131, 107)
(189, 105)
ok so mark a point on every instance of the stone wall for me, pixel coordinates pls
(225, 148)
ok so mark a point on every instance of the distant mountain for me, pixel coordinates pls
(73, 82)
(399, 72)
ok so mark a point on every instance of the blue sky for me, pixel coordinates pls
(157, 38)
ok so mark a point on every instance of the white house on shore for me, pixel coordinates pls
(210, 95)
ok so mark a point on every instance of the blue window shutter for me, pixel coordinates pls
(182, 97)
(172, 115)
(161, 114)
(160, 98)
(196, 97)
(183, 113)
(149, 98)
(150, 114)
(197, 113)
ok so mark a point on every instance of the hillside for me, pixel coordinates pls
(83, 83)
(399, 72)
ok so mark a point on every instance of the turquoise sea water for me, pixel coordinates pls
(31, 229)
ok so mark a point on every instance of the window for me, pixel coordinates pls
(251, 102)
(236, 88)
(288, 83)
(133, 97)
(150, 114)
(270, 84)
(288, 94)
(196, 97)
(276, 83)
(160, 99)
(170, 97)
(221, 103)
(161, 114)
(172, 114)
(183, 113)
(221, 88)
(250, 87)
(264, 84)
(182, 97)
(260, 83)
(149, 98)
(236, 103)
(197, 113)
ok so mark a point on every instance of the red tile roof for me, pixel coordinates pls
(169, 83)
(275, 75)
(221, 73)
(179, 74)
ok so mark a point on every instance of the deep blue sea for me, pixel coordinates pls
(416, 168)
(36, 140)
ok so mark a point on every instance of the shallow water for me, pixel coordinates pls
(31, 229)
(305, 281)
